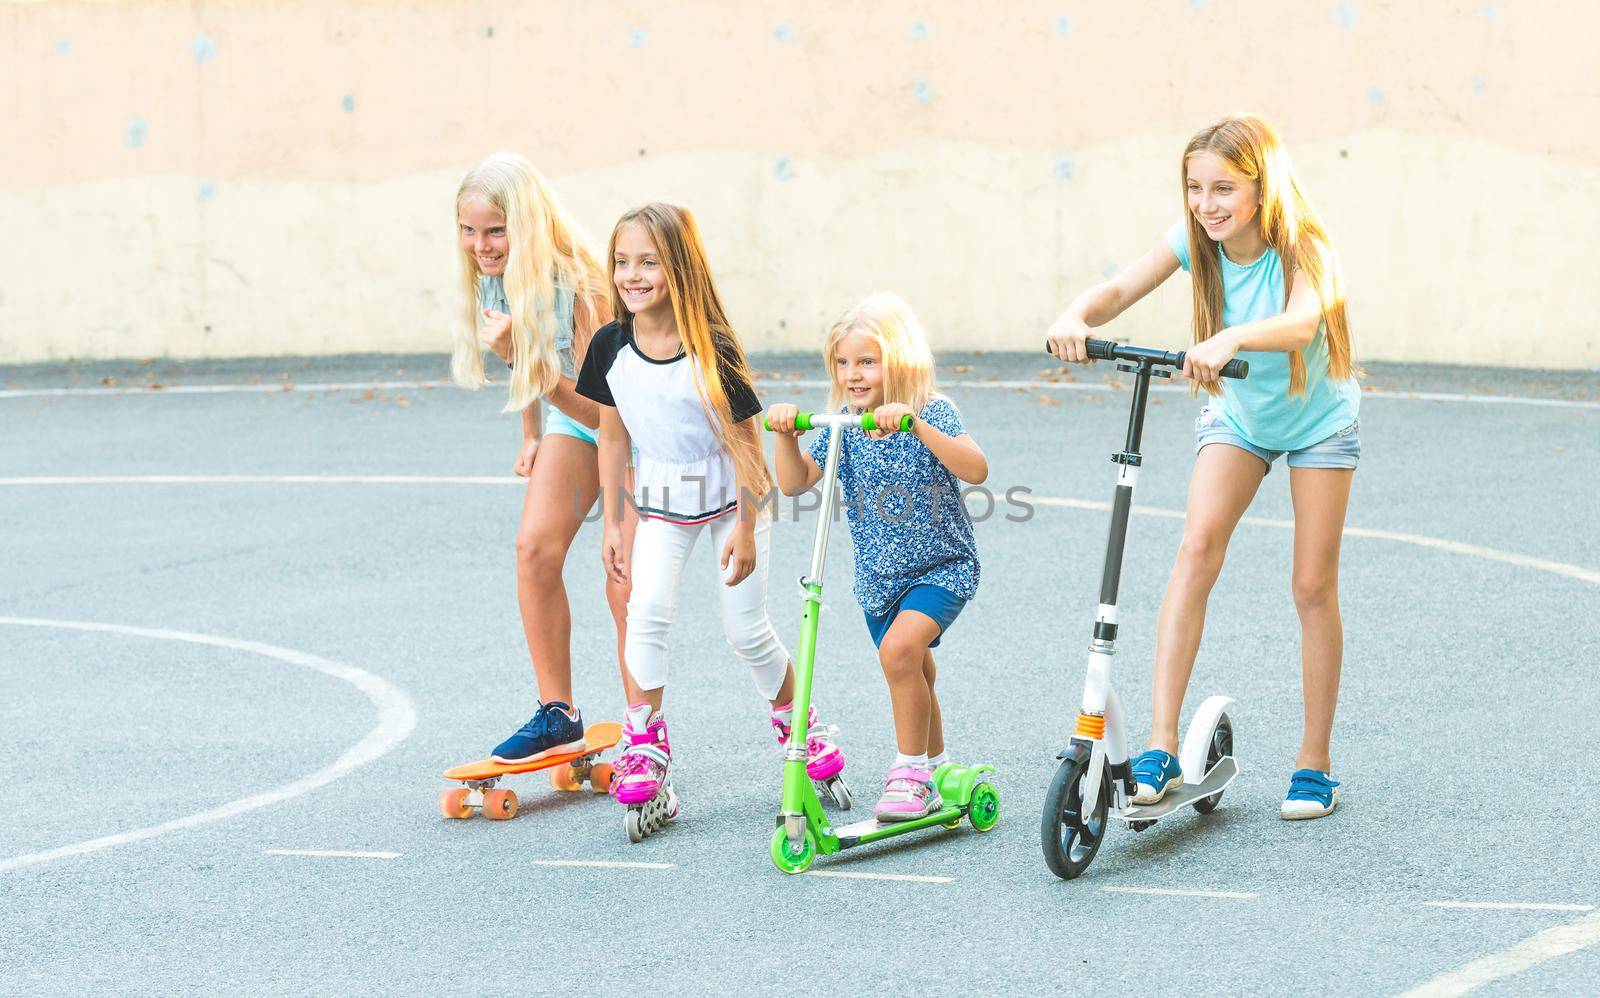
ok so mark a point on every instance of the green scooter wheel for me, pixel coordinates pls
(984, 809)
(786, 859)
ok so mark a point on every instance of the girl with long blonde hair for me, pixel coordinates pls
(1267, 287)
(532, 293)
(671, 379)
(916, 560)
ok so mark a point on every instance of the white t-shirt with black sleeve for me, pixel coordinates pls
(683, 474)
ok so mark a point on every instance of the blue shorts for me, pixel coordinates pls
(556, 421)
(936, 601)
(1341, 450)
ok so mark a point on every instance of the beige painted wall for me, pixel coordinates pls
(229, 177)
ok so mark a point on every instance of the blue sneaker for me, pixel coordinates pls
(1155, 772)
(551, 731)
(1312, 794)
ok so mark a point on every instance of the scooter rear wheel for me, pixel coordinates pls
(1070, 836)
(1221, 746)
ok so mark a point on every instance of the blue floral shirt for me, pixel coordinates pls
(906, 516)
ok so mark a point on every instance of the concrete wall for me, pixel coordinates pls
(232, 177)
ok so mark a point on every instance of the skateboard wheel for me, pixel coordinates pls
(453, 803)
(561, 778)
(600, 777)
(499, 805)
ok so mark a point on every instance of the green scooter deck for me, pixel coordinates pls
(956, 785)
(872, 830)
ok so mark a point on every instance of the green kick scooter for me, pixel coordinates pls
(803, 829)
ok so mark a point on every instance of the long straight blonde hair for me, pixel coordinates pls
(1250, 148)
(907, 359)
(546, 249)
(708, 337)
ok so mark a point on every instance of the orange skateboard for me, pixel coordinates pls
(568, 771)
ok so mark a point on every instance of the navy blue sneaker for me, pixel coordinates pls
(1155, 772)
(551, 731)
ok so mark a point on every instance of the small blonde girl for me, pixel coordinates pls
(916, 560)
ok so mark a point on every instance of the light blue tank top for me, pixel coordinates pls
(1260, 408)
(492, 295)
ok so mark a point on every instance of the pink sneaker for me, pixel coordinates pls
(641, 770)
(908, 794)
(825, 760)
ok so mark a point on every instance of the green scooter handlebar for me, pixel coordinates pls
(803, 421)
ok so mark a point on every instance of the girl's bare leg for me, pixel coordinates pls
(1224, 480)
(564, 482)
(1320, 496)
(902, 654)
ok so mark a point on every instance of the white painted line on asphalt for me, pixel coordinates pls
(906, 877)
(334, 853)
(1493, 554)
(267, 480)
(605, 864)
(284, 388)
(1175, 389)
(396, 717)
(269, 388)
(1420, 540)
(1534, 950)
(1174, 892)
(1509, 906)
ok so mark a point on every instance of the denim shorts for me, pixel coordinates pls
(556, 421)
(936, 601)
(1341, 450)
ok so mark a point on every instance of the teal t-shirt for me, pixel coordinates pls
(1259, 408)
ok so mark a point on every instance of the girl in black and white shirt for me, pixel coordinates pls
(671, 379)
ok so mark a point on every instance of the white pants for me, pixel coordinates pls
(659, 552)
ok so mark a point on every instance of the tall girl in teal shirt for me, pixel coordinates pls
(1267, 288)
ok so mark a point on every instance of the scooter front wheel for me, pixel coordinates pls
(1221, 747)
(1071, 832)
(784, 856)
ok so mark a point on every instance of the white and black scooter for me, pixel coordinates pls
(1095, 778)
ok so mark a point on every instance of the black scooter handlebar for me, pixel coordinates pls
(1108, 350)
